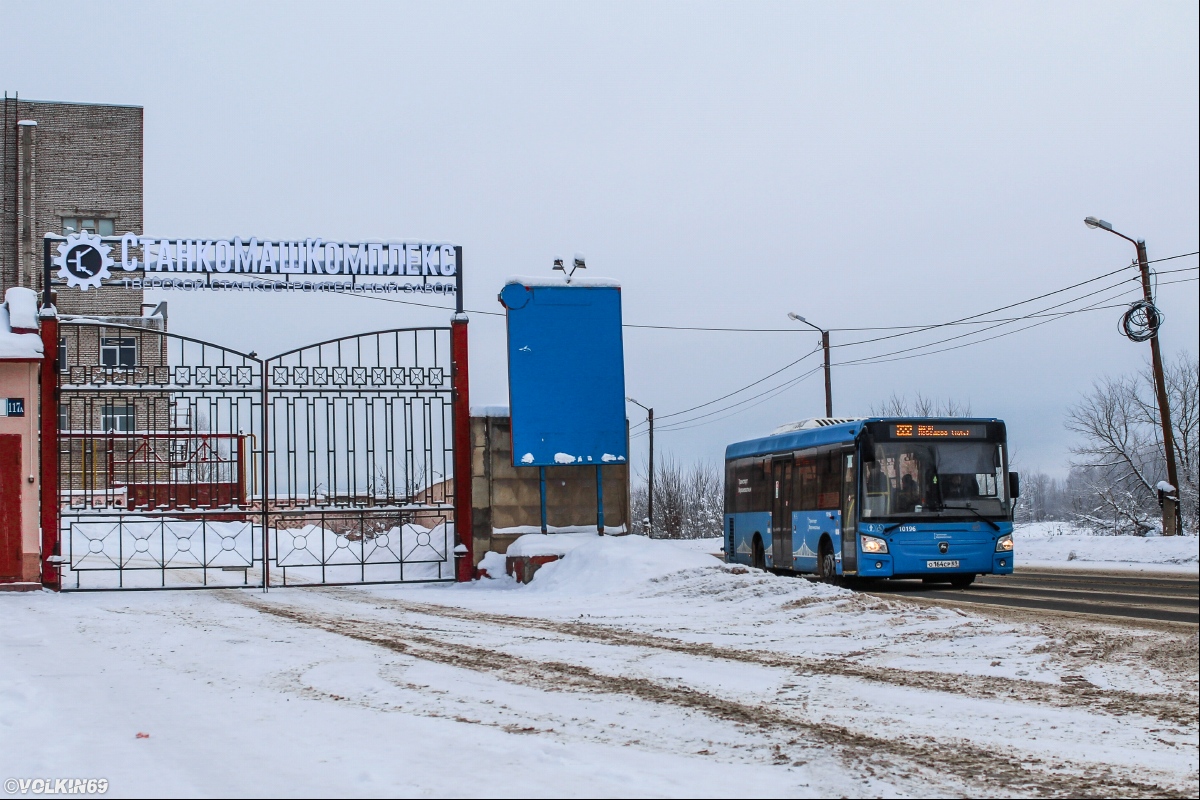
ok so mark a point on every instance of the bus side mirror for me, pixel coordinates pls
(867, 449)
(1014, 485)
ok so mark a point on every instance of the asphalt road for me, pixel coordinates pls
(1164, 597)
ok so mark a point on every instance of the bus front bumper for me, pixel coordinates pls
(889, 565)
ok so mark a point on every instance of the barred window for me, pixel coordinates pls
(118, 351)
(117, 417)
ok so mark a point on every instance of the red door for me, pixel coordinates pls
(10, 507)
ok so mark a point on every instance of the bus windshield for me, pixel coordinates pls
(935, 479)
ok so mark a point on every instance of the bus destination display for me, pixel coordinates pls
(922, 430)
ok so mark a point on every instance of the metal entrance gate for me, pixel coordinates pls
(359, 449)
(185, 464)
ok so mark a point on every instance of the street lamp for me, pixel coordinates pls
(824, 344)
(1170, 503)
(650, 485)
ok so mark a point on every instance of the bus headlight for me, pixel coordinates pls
(872, 544)
(1004, 544)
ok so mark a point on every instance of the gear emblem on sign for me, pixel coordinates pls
(83, 261)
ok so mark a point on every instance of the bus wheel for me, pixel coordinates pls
(827, 566)
(962, 581)
(759, 559)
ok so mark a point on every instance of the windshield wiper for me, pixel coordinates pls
(972, 509)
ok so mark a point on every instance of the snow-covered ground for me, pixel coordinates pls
(1061, 544)
(631, 667)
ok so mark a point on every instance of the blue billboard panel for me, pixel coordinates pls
(566, 372)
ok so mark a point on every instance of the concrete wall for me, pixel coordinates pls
(20, 379)
(504, 496)
(79, 160)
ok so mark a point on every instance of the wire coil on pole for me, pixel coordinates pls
(1141, 321)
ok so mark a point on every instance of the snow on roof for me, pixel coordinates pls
(810, 424)
(560, 281)
(550, 544)
(17, 345)
(22, 307)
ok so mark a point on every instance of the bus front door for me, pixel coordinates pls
(849, 516)
(781, 514)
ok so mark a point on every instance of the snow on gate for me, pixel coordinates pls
(185, 464)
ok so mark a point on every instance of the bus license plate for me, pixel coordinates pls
(941, 564)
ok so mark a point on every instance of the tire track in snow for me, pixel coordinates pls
(1168, 708)
(993, 771)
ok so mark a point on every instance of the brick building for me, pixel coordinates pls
(72, 167)
(68, 167)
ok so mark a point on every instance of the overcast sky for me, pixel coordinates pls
(861, 164)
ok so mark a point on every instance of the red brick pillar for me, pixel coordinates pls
(49, 444)
(464, 557)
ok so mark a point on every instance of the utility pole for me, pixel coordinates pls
(650, 483)
(1171, 498)
(650, 480)
(1170, 502)
(825, 345)
(828, 385)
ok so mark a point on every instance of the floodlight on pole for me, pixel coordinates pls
(560, 265)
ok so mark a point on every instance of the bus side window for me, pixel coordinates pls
(764, 484)
(829, 495)
(730, 487)
(804, 484)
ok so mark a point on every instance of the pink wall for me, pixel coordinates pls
(20, 379)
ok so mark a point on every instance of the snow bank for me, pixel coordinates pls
(493, 564)
(710, 546)
(1061, 543)
(606, 564)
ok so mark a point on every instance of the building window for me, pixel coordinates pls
(118, 351)
(64, 363)
(64, 418)
(116, 417)
(97, 225)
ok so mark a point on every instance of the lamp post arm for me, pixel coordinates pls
(1129, 239)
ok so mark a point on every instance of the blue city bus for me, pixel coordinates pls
(927, 498)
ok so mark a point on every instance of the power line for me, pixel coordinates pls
(998, 324)
(965, 320)
(882, 357)
(885, 357)
(766, 395)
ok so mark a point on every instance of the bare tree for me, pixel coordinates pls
(1043, 498)
(688, 501)
(921, 406)
(1119, 460)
